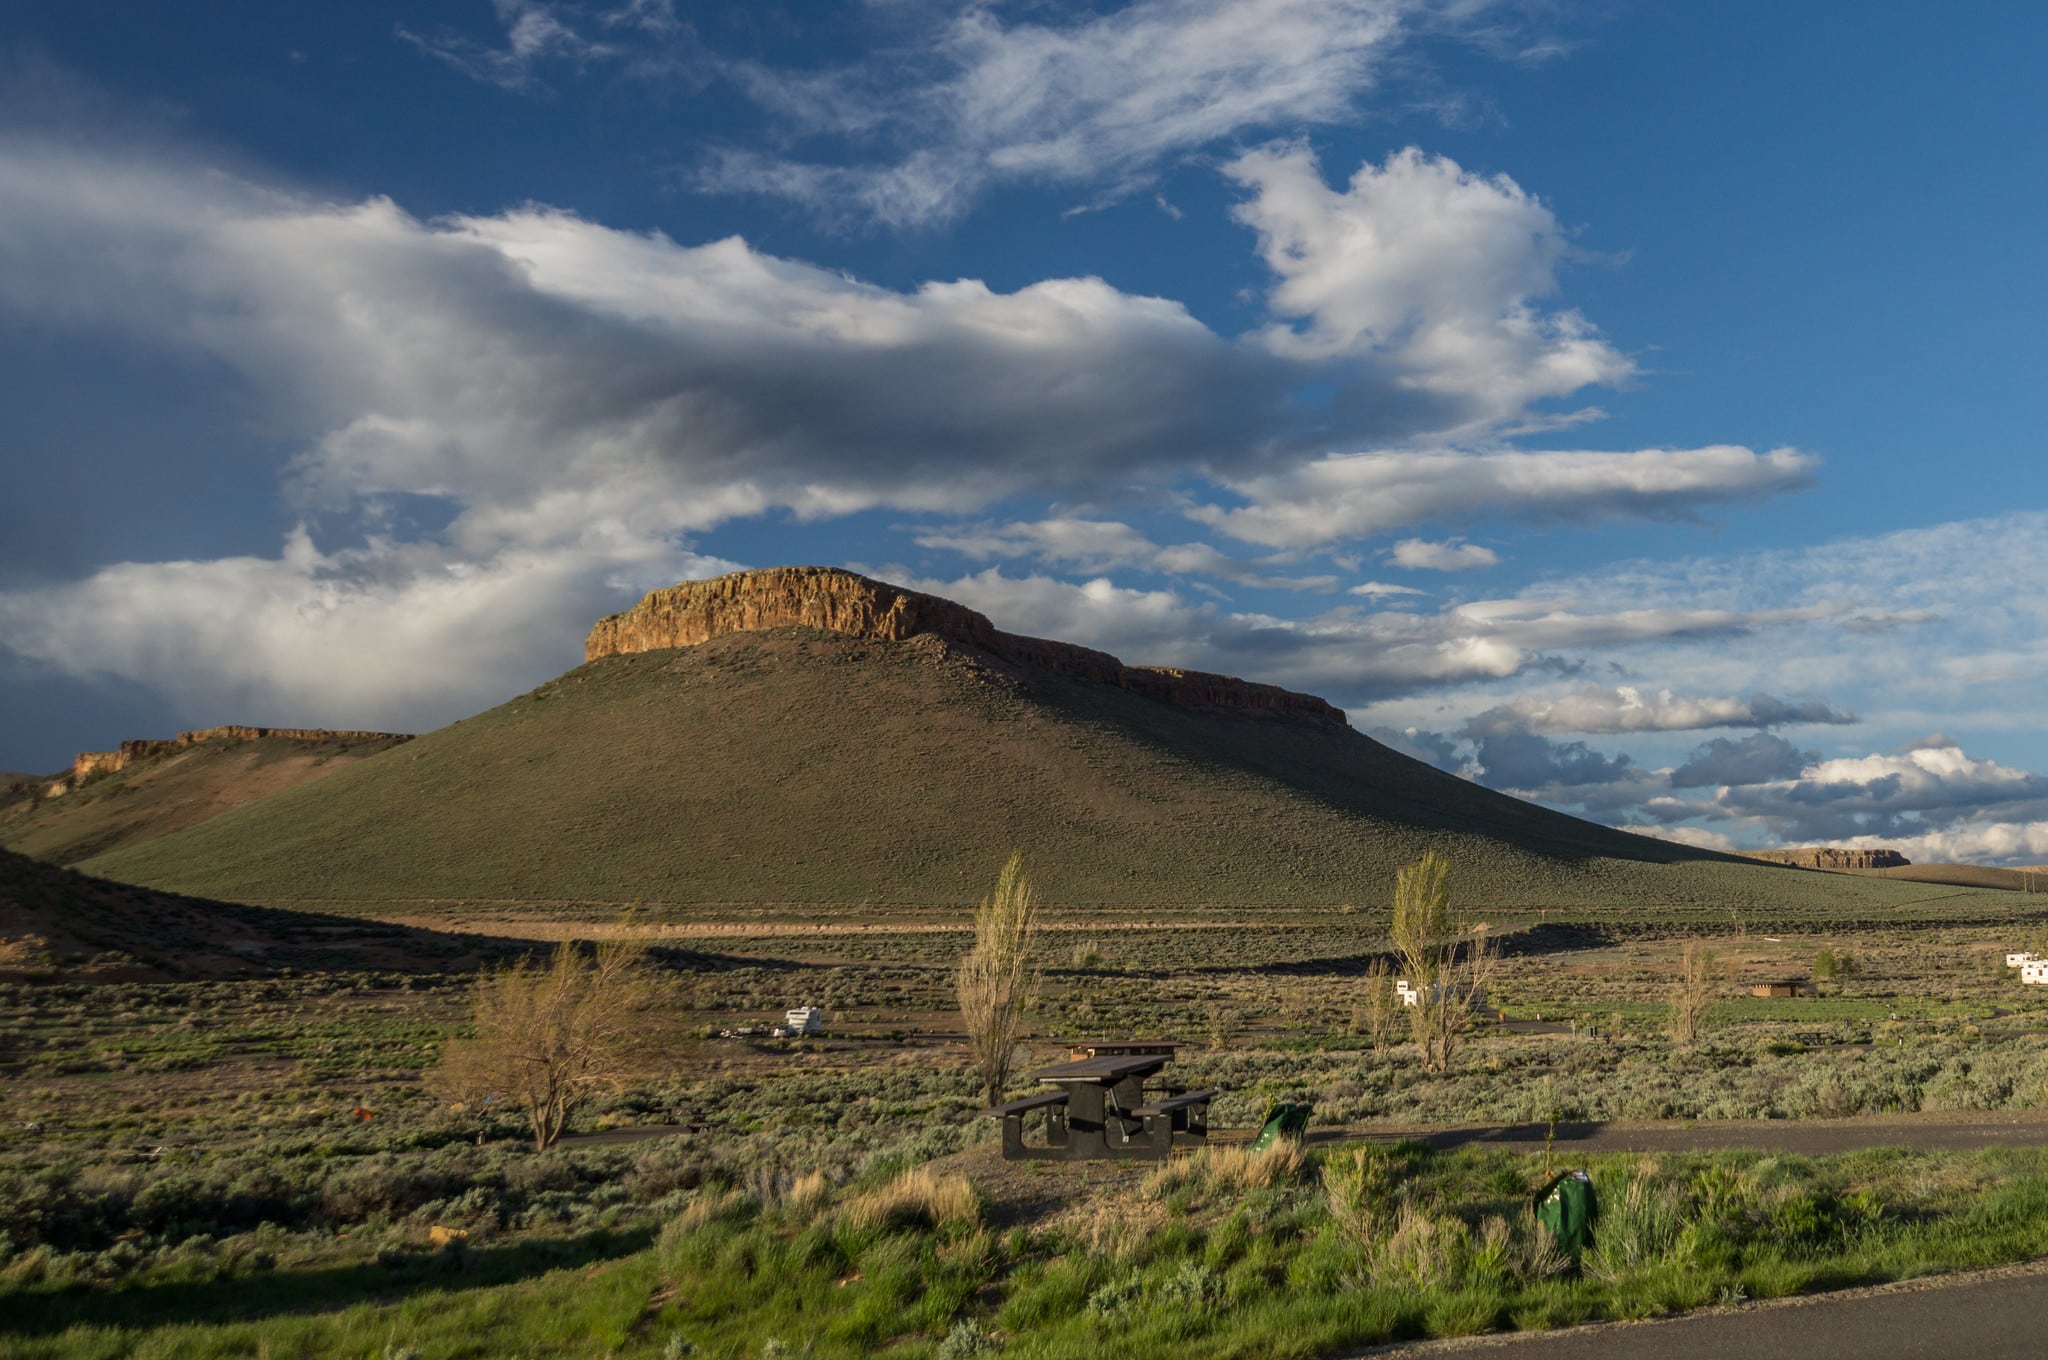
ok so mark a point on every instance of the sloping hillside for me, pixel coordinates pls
(771, 764)
(148, 788)
(2033, 880)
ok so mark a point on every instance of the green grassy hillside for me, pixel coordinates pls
(169, 792)
(801, 769)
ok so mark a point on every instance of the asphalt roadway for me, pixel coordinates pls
(1988, 1315)
(1944, 1131)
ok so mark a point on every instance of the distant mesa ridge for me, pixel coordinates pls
(836, 601)
(1826, 857)
(89, 763)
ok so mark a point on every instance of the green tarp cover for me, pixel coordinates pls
(1566, 1205)
(1284, 1120)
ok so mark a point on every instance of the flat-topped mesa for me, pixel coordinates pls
(105, 762)
(1827, 857)
(836, 601)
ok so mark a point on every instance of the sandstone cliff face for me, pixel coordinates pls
(842, 602)
(88, 763)
(1820, 857)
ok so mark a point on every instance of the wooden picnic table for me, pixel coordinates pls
(1098, 1110)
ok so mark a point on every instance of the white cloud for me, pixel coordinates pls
(386, 636)
(1419, 554)
(1093, 545)
(1377, 589)
(2011, 843)
(1433, 272)
(537, 370)
(1341, 497)
(1344, 655)
(1089, 99)
(1626, 708)
(1931, 784)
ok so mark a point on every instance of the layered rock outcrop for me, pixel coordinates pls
(1824, 857)
(837, 601)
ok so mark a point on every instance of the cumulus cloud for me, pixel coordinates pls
(1353, 495)
(1894, 794)
(1751, 760)
(545, 385)
(384, 636)
(1419, 554)
(2011, 843)
(1434, 272)
(535, 367)
(1525, 761)
(927, 125)
(1626, 708)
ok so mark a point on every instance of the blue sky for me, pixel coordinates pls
(1632, 407)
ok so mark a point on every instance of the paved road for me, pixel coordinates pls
(1995, 1315)
(1925, 1132)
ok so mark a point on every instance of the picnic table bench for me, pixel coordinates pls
(1098, 1110)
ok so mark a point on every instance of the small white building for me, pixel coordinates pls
(2018, 960)
(1410, 995)
(2034, 972)
(806, 1020)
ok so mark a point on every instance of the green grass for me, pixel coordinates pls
(1222, 1266)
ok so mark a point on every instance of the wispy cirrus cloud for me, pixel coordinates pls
(925, 125)
(540, 35)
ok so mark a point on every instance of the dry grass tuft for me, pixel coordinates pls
(709, 1207)
(916, 1198)
(808, 1193)
(1229, 1170)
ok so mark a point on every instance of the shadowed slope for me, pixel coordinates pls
(61, 925)
(799, 767)
(171, 786)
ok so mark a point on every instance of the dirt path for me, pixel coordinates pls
(531, 928)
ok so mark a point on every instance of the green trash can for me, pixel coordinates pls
(1567, 1206)
(1283, 1120)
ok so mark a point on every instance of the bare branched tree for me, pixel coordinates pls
(995, 981)
(546, 1037)
(1693, 993)
(1445, 963)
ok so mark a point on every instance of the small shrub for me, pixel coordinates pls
(1359, 1186)
(1194, 1288)
(967, 1339)
(1115, 1300)
(1423, 1252)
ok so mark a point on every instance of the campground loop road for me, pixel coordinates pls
(1941, 1131)
(1987, 1315)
